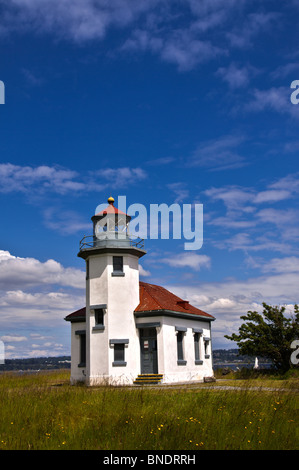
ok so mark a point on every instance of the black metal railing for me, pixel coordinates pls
(91, 241)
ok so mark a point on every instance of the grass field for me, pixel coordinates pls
(42, 411)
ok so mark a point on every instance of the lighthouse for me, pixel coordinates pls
(132, 332)
(112, 294)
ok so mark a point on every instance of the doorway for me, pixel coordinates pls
(148, 351)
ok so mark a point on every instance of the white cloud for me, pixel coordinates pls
(16, 178)
(248, 208)
(187, 52)
(180, 33)
(272, 195)
(143, 272)
(71, 19)
(179, 190)
(282, 265)
(13, 339)
(244, 33)
(233, 197)
(189, 260)
(236, 77)
(228, 300)
(65, 222)
(42, 179)
(287, 183)
(120, 177)
(24, 272)
(274, 99)
(279, 217)
(219, 154)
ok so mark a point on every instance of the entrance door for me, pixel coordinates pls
(148, 348)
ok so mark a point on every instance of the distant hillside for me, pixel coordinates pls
(231, 356)
(37, 363)
(220, 356)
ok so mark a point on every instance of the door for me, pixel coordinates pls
(148, 349)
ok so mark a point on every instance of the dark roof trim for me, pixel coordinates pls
(148, 325)
(118, 341)
(171, 313)
(181, 328)
(76, 319)
(98, 251)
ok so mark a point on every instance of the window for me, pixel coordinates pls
(197, 348)
(118, 263)
(119, 351)
(180, 346)
(207, 352)
(99, 316)
(82, 347)
(118, 266)
(87, 269)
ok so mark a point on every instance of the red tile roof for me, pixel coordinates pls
(111, 210)
(155, 298)
(77, 315)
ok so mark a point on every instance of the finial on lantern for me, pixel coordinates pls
(111, 200)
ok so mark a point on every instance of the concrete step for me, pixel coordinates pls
(147, 379)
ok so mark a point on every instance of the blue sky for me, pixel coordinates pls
(163, 102)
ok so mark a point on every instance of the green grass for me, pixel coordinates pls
(42, 411)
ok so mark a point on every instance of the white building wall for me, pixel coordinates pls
(96, 340)
(167, 349)
(121, 295)
(173, 372)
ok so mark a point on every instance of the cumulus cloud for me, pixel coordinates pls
(250, 208)
(143, 272)
(13, 339)
(182, 37)
(25, 179)
(234, 76)
(36, 295)
(25, 272)
(243, 34)
(219, 154)
(16, 178)
(71, 19)
(274, 99)
(228, 300)
(65, 222)
(190, 260)
(282, 265)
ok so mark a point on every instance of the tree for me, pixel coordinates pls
(269, 334)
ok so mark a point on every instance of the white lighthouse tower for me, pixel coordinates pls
(112, 294)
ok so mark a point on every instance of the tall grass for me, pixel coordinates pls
(43, 411)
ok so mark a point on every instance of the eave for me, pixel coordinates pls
(171, 313)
